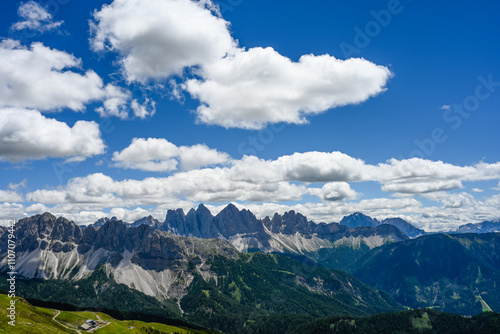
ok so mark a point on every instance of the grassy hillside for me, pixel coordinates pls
(30, 319)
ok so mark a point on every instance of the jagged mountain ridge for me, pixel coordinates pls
(358, 219)
(291, 233)
(287, 233)
(231, 222)
(484, 227)
(149, 221)
(200, 276)
(405, 227)
(152, 261)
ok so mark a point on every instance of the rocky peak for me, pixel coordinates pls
(358, 219)
(66, 231)
(231, 221)
(175, 221)
(41, 230)
(290, 223)
(111, 236)
(149, 221)
(196, 223)
(203, 211)
(405, 227)
(100, 222)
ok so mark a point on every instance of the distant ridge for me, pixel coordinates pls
(484, 227)
(358, 219)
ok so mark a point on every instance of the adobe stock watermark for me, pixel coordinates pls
(258, 142)
(229, 5)
(455, 116)
(373, 28)
(51, 6)
(11, 265)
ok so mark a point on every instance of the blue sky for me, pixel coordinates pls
(384, 107)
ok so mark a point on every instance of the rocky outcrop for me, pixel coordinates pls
(103, 221)
(231, 221)
(46, 232)
(148, 221)
(358, 219)
(50, 247)
(289, 223)
(197, 223)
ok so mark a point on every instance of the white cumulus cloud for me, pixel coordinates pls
(27, 134)
(41, 78)
(239, 88)
(160, 155)
(10, 196)
(159, 38)
(250, 89)
(266, 186)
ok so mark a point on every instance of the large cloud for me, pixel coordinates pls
(40, 77)
(412, 176)
(10, 196)
(250, 89)
(250, 179)
(236, 87)
(204, 185)
(27, 134)
(302, 167)
(159, 38)
(160, 155)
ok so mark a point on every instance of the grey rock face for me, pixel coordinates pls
(358, 219)
(149, 221)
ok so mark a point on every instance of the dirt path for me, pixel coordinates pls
(62, 324)
(92, 330)
(98, 317)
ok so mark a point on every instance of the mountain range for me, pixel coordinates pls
(230, 271)
(332, 245)
(231, 222)
(484, 227)
(205, 281)
(290, 233)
